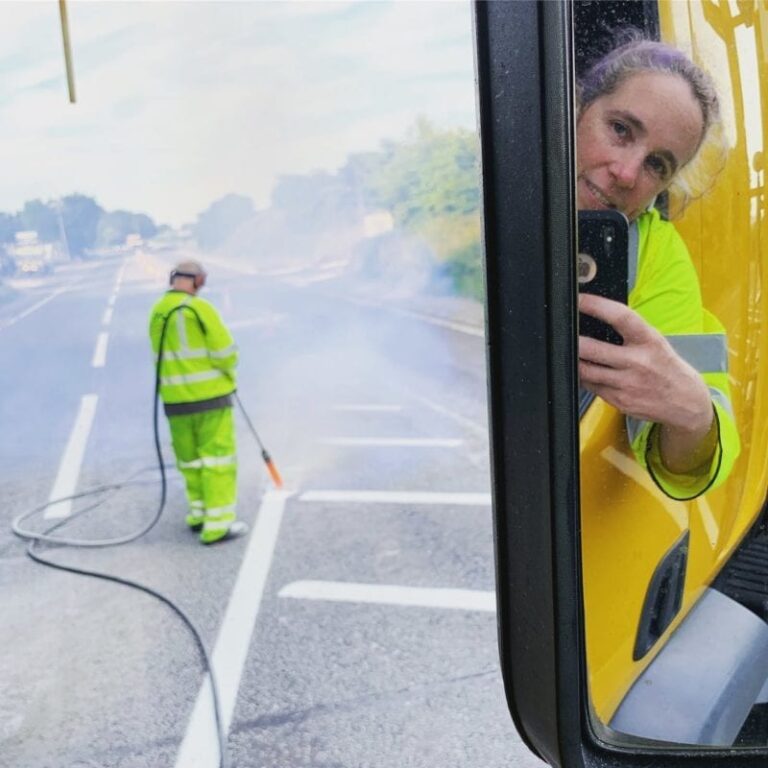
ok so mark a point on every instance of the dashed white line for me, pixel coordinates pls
(30, 310)
(394, 442)
(72, 459)
(454, 325)
(200, 749)
(100, 352)
(457, 417)
(107, 318)
(368, 407)
(112, 299)
(399, 497)
(385, 594)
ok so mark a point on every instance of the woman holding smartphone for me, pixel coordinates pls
(645, 110)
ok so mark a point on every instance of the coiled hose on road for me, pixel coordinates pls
(34, 538)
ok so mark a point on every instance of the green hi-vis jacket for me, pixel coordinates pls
(664, 290)
(199, 354)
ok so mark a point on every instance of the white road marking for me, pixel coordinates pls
(392, 442)
(366, 407)
(431, 319)
(399, 497)
(470, 330)
(200, 748)
(72, 459)
(421, 597)
(457, 417)
(100, 352)
(33, 308)
(112, 299)
(107, 319)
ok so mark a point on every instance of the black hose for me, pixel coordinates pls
(33, 538)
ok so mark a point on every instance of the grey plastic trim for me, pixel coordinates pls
(632, 255)
(701, 687)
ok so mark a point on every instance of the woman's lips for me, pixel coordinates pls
(597, 194)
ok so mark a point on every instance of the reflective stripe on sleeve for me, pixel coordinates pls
(634, 426)
(226, 352)
(706, 352)
(633, 248)
(722, 400)
(185, 354)
(181, 327)
(202, 352)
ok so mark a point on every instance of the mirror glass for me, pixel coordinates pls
(673, 421)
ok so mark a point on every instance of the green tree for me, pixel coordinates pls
(80, 217)
(431, 184)
(8, 227)
(40, 217)
(430, 174)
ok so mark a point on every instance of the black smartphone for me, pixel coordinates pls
(602, 266)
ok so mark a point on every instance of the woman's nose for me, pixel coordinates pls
(625, 170)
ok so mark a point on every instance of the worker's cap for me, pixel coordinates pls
(188, 269)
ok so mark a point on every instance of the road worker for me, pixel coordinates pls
(197, 380)
(645, 111)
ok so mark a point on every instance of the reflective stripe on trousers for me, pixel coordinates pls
(204, 444)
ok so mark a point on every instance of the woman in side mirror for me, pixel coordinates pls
(645, 111)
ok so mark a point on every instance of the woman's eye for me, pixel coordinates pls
(620, 129)
(657, 166)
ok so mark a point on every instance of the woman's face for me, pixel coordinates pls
(630, 143)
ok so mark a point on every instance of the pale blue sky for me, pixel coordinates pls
(182, 102)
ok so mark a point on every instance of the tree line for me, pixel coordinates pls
(77, 219)
(428, 183)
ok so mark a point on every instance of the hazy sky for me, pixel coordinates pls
(182, 102)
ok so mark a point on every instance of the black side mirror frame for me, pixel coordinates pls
(523, 62)
(525, 82)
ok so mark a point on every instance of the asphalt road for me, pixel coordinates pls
(354, 627)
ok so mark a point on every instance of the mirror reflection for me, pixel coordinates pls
(669, 153)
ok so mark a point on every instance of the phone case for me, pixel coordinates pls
(602, 265)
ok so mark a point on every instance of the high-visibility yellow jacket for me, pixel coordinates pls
(199, 355)
(664, 290)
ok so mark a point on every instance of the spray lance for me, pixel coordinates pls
(271, 468)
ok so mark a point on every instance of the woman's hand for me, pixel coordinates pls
(645, 378)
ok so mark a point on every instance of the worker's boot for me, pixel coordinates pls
(195, 521)
(236, 529)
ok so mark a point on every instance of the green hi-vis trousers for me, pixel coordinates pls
(204, 444)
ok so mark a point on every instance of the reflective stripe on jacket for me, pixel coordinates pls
(199, 355)
(664, 290)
